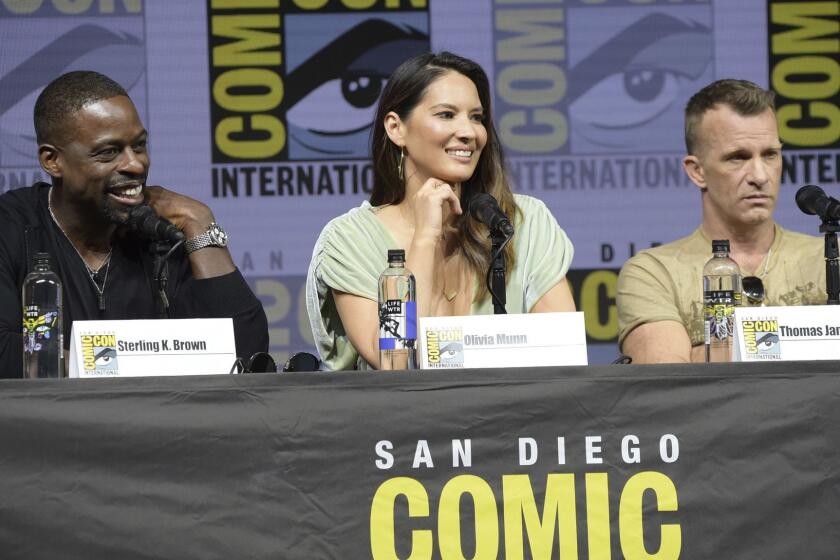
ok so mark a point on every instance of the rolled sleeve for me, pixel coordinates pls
(548, 251)
(643, 295)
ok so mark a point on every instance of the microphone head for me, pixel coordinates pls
(484, 208)
(809, 198)
(138, 214)
(143, 219)
(479, 203)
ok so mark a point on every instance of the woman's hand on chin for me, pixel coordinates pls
(433, 203)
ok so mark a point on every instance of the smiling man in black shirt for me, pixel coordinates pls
(94, 147)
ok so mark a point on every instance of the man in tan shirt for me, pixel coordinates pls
(734, 158)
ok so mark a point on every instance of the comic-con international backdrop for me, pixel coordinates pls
(262, 109)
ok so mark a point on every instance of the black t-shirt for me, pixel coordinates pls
(130, 291)
(127, 292)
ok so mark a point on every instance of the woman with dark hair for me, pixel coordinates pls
(434, 147)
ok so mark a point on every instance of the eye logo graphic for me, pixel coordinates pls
(333, 90)
(301, 84)
(46, 47)
(452, 353)
(761, 339)
(445, 348)
(634, 85)
(99, 353)
(610, 78)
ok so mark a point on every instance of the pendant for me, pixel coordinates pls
(102, 301)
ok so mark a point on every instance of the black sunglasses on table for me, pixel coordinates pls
(261, 362)
(753, 290)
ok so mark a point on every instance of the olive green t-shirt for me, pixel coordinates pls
(666, 283)
(352, 251)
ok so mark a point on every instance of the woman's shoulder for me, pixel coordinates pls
(532, 209)
(354, 232)
(356, 220)
(527, 200)
(359, 214)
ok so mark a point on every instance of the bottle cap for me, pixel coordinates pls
(42, 259)
(396, 255)
(720, 246)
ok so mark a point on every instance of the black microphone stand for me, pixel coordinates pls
(498, 241)
(162, 250)
(832, 260)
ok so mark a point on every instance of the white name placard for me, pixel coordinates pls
(485, 341)
(151, 347)
(787, 333)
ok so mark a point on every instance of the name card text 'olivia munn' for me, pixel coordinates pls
(514, 340)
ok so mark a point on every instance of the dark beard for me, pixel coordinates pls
(117, 216)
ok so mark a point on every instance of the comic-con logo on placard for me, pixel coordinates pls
(445, 348)
(299, 79)
(761, 339)
(99, 354)
(43, 39)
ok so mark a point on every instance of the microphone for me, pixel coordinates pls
(143, 219)
(811, 199)
(485, 209)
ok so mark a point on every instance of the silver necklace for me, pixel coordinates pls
(767, 262)
(92, 273)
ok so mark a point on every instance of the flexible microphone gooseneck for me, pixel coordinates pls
(145, 221)
(484, 208)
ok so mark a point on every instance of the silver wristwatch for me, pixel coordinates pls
(215, 236)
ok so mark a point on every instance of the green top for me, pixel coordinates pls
(352, 251)
(666, 283)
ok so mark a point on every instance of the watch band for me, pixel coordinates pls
(198, 242)
(215, 236)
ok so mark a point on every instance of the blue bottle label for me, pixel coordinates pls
(397, 324)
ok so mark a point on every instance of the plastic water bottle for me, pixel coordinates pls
(43, 343)
(721, 294)
(397, 315)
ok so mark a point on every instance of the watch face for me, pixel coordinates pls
(217, 235)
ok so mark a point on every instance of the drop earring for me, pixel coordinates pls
(400, 169)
